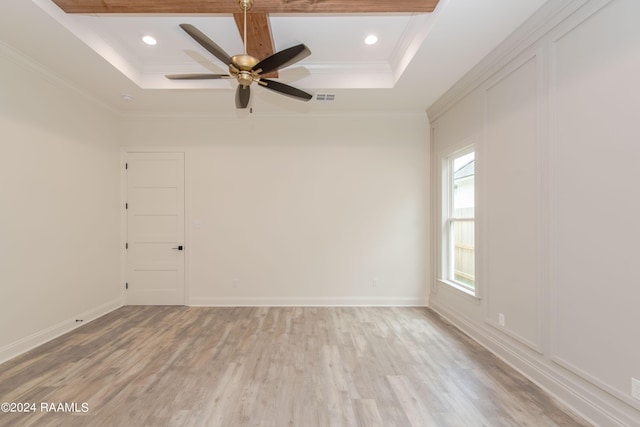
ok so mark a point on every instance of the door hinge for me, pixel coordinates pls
(126, 205)
(126, 245)
(126, 286)
(126, 165)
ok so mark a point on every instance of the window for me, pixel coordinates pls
(459, 233)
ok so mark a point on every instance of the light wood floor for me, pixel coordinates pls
(186, 366)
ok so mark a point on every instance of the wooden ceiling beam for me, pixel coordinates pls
(260, 6)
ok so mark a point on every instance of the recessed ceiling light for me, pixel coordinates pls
(149, 40)
(371, 39)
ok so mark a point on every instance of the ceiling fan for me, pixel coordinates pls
(247, 69)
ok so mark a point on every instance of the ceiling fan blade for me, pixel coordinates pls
(286, 89)
(243, 93)
(196, 76)
(206, 43)
(282, 59)
(259, 38)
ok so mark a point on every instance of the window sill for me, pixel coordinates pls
(460, 288)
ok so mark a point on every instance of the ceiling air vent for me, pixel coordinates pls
(325, 97)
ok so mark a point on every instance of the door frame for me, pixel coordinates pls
(124, 152)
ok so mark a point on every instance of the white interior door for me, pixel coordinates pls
(155, 229)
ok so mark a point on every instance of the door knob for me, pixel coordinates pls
(179, 248)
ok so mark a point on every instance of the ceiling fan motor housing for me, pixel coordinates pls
(241, 68)
(244, 62)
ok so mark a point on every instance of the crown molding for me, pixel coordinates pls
(234, 114)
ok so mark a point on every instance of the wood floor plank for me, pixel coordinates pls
(367, 413)
(288, 366)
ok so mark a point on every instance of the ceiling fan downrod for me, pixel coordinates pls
(245, 76)
(245, 5)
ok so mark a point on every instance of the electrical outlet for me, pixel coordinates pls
(501, 319)
(234, 283)
(374, 283)
(635, 388)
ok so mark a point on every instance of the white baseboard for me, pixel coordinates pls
(590, 405)
(309, 302)
(27, 343)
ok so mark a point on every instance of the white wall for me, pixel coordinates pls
(300, 210)
(59, 207)
(554, 112)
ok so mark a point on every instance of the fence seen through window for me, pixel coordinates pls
(462, 221)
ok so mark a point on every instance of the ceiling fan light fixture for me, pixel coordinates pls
(371, 39)
(151, 41)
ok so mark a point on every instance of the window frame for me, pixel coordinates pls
(447, 274)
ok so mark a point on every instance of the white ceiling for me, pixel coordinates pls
(416, 60)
